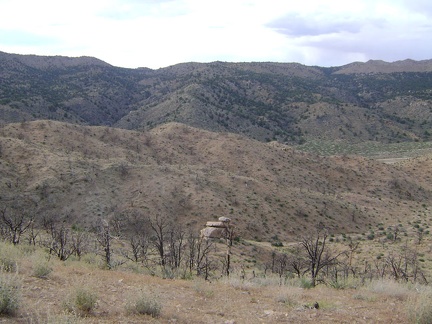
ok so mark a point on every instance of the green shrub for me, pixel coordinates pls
(305, 283)
(277, 244)
(338, 284)
(26, 249)
(9, 294)
(41, 269)
(168, 273)
(81, 301)
(91, 258)
(8, 257)
(85, 300)
(144, 304)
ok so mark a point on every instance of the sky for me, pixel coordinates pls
(160, 33)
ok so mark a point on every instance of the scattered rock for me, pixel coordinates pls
(268, 312)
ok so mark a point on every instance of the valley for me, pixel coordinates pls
(111, 173)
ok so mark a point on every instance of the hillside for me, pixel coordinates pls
(93, 158)
(288, 102)
(271, 191)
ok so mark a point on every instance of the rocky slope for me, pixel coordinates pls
(271, 191)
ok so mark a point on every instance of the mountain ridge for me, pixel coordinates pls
(287, 102)
(46, 62)
(404, 65)
(379, 66)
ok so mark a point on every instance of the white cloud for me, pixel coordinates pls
(154, 33)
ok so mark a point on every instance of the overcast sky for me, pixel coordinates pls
(159, 33)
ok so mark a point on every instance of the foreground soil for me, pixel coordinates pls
(252, 300)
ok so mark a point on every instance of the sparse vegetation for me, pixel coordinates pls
(419, 307)
(8, 258)
(10, 293)
(110, 295)
(81, 301)
(41, 269)
(144, 303)
(106, 210)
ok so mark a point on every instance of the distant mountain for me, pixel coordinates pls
(287, 102)
(47, 62)
(377, 66)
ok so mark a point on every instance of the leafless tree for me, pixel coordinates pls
(80, 242)
(228, 235)
(104, 238)
(281, 266)
(60, 242)
(192, 247)
(176, 237)
(404, 264)
(138, 236)
(160, 226)
(296, 262)
(352, 247)
(380, 267)
(33, 234)
(318, 255)
(203, 263)
(139, 248)
(15, 222)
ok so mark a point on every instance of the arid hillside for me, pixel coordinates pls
(47, 290)
(114, 294)
(109, 174)
(269, 190)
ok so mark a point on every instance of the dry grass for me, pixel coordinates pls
(389, 289)
(10, 296)
(127, 297)
(419, 306)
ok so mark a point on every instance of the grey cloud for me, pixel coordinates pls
(373, 46)
(423, 7)
(296, 25)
